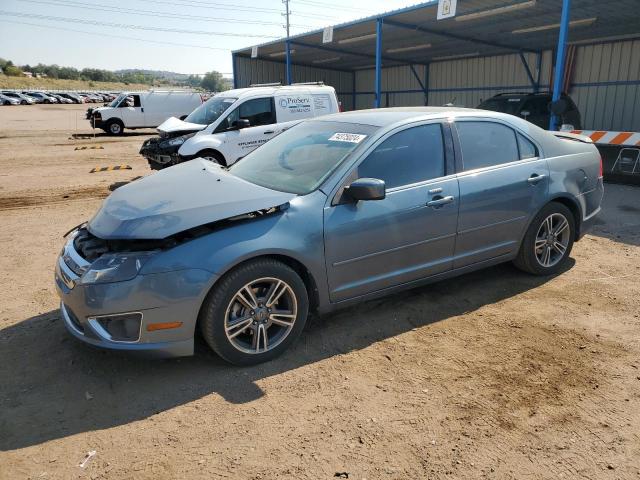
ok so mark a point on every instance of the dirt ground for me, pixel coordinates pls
(494, 375)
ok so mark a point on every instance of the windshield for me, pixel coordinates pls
(301, 158)
(503, 105)
(117, 100)
(210, 111)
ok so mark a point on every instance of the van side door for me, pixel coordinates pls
(503, 183)
(260, 112)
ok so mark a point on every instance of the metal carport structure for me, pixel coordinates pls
(536, 32)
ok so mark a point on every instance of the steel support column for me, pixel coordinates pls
(233, 69)
(528, 71)
(353, 90)
(562, 50)
(288, 61)
(378, 82)
(423, 86)
(426, 83)
(538, 71)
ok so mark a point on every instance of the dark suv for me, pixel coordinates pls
(535, 107)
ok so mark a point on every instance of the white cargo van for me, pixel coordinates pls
(143, 109)
(233, 123)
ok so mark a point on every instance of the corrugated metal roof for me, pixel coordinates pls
(480, 28)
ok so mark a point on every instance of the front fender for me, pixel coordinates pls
(296, 233)
(199, 142)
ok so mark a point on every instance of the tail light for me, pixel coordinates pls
(340, 107)
(601, 168)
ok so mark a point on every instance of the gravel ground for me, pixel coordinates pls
(495, 374)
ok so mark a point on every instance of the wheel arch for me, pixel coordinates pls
(296, 265)
(574, 208)
(212, 150)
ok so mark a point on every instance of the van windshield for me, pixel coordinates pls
(210, 111)
(117, 100)
(301, 158)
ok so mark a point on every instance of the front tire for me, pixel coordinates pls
(548, 242)
(115, 127)
(255, 312)
(212, 156)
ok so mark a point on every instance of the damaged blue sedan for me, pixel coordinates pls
(333, 211)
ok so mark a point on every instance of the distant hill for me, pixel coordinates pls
(174, 76)
(58, 84)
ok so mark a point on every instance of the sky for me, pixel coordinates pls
(202, 33)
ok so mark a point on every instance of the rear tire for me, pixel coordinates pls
(548, 242)
(239, 318)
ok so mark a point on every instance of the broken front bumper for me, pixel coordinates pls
(153, 300)
(157, 156)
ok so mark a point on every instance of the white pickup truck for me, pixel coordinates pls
(233, 123)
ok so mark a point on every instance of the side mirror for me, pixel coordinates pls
(367, 189)
(240, 124)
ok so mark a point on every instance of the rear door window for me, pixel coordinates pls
(411, 156)
(527, 149)
(486, 144)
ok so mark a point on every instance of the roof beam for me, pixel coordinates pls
(455, 36)
(350, 52)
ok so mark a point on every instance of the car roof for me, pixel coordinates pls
(271, 90)
(384, 117)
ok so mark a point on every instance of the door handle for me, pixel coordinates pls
(269, 132)
(439, 201)
(535, 178)
(142, 109)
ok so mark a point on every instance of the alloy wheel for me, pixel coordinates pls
(552, 240)
(260, 315)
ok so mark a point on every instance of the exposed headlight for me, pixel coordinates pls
(115, 267)
(174, 142)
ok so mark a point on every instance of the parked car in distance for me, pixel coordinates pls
(41, 97)
(5, 100)
(60, 98)
(72, 96)
(22, 98)
(143, 110)
(235, 122)
(535, 108)
(333, 211)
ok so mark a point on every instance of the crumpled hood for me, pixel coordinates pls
(179, 198)
(174, 124)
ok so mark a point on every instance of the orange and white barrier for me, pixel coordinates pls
(600, 137)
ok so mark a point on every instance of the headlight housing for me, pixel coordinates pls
(115, 267)
(174, 142)
(177, 141)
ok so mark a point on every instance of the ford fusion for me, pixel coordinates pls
(333, 211)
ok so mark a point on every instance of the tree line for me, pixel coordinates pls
(212, 81)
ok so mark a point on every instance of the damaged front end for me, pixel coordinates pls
(95, 117)
(162, 152)
(91, 248)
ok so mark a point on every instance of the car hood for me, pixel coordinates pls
(174, 124)
(176, 199)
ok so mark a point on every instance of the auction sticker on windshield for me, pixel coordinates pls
(347, 137)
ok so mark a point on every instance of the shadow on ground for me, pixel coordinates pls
(619, 219)
(53, 386)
